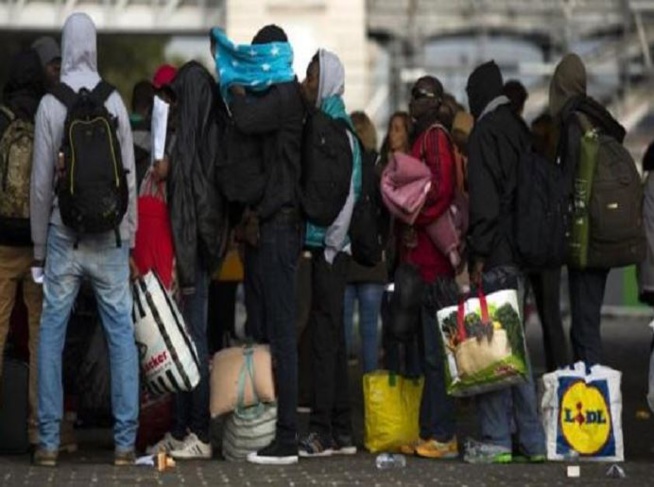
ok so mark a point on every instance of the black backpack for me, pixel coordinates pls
(366, 226)
(543, 212)
(326, 168)
(92, 189)
(617, 233)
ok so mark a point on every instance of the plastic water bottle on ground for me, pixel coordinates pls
(385, 461)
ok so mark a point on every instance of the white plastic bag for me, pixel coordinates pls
(582, 413)
(169, 360)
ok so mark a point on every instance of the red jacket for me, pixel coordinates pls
(434, 147)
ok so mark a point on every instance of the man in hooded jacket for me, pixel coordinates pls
(199, 227)
(20, 99)
(330, 428)
(575, 113)
(495, 145)
(96, 257)
(274, 121)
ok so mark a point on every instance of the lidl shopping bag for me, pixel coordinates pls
(391, 410)
(582, 413)
(482, 335)
(169, 359)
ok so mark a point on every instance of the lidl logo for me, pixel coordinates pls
(585, 418)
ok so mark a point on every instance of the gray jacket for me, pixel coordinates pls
(78, 70)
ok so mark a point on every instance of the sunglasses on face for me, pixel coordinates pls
(420, 93)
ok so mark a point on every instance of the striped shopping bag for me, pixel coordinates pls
(169, 359)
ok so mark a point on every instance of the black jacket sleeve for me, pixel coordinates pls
(483, 170)
(257, 114)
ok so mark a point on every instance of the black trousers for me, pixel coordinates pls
(330, 407)
(586, 298)
(546, 285)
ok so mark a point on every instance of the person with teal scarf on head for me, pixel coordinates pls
(330, 428)
(263, 97)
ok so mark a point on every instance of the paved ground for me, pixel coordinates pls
(627, 348)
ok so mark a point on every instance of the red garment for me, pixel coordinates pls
(433, 147)
(154, 239)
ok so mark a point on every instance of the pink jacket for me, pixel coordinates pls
(405, 183)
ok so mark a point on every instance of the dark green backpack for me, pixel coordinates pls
(608, 226)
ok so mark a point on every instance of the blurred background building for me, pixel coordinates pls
(385, 45)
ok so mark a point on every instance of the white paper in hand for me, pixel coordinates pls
(159, 128)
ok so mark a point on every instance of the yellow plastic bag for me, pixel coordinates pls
(392, 408)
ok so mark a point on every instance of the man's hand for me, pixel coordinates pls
(476, 272)
(160, 169)
(237, 90)
(134, 273)
(37, 271)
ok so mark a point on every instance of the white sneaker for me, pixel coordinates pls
(193, 449)
(165, 445)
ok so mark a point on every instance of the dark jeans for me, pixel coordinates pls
(546, 285)
(330, 408)
(437, 414)
(586, 298)
(410, 366)
(270, 284)
(222, 314)
(192, 408)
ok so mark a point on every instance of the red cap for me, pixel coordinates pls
(164, 76)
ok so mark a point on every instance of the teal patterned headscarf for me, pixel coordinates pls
(254, 66)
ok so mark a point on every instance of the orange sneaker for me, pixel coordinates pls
(436, 449)
(410, 449)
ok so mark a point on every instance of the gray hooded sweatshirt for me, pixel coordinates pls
(331, 83)
(78, 70)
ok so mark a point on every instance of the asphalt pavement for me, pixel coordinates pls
(626, 342)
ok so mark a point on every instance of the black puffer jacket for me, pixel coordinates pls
(198, 212)
(21, 95)
(495, 146)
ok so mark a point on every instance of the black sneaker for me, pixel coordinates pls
(343, 445)
(275, 454)
(315, 446)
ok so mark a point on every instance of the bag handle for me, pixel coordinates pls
(460, 315)
(247, 370)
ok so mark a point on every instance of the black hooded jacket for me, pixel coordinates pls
(274, 119)
(21, 95)
(198, 212)
(495, 146)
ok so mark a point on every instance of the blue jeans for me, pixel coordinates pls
(437, 413)
(369, 296)
(518, 405)
(98, 259)
(192, 408)
(270, 287)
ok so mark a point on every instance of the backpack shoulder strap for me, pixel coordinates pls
(64, 94)
(102, 91)
(6, 112)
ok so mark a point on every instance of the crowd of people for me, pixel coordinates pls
(254, 212)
